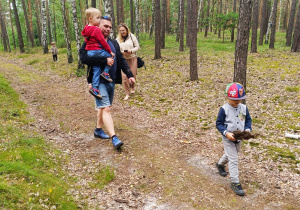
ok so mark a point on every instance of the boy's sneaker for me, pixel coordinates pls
(99, 133)
(221, 169)
(116, 142)
(94, 92)
(237, 188)
(106, 76)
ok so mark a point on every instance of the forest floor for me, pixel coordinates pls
(171, 144)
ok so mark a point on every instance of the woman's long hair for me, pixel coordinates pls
(127, 29)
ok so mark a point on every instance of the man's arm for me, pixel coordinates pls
(85, 59)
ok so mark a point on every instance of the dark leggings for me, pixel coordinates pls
(54, 57)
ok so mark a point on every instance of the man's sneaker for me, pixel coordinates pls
(116, 142)
(237, 188)
(106, 76)
(99, 133)
(94, 92)
(221, 169)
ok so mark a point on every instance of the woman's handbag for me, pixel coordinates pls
(140, 62)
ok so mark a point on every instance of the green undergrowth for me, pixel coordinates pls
(31, 176)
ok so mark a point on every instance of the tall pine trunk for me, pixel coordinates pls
(137, 19)
(198, 16)
(39, 27)
(44, 27)
(296, 38)
(233, 27)
(241, 47)
(153, 19)
(29, 33)
(157, 30)
(273, 28)
(77, 33)
(254, 27)
(168, 20)
(269, 25)
(12, 27)
(181, 26)
(163, 23)
(290, 28)
(263, 26)
(18, 25)
(131, 17)
(207, 19)
(66, 32)
(193, 41)
(30, 17)
(2, 18)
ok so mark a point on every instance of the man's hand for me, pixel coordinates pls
(90, 86)
(110, 61)
(230, 136)
(112, 54)
(131, 80)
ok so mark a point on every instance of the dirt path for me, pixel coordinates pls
(153, 171)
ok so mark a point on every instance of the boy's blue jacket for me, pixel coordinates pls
(231, 119)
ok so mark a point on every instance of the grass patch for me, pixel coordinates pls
(103, 177)
(34, 61)
(292, 89)
(29, 177)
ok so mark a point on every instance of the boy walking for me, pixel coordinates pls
(232, 116)
(96, 46)
(54, 51)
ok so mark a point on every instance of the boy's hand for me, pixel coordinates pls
(230, 136)
(112, 54)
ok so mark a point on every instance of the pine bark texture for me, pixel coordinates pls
(273, 28)
(296, 38)
(290, 28)
(168, 20)
(163, 23)
(137, 19)
(181, 26)
(44, 27)
(66, 32)
(241, 47)
(29, 33)
(188, 22)
(193, 41)
(39, 27)
(49, 22)
(77, 33)
(263, 26)
(2, 18)
(157, 30)
(18, 26)
(93, 3)
(254, 26)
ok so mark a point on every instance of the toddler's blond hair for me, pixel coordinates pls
(91, 12)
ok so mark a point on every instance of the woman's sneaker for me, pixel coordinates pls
(221, 169)
(94, 92)
(106, 76)
(237, 188)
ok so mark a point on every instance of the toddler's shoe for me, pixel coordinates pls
(94, 92)
(221, 169)
(106, 76)
(99, 133)
(237, 188)
(116, 142)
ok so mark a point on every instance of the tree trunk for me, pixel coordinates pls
(273, 28)
(137, 19)
(2, 18)
(285, 16)
(153, 19)
(39, 27)
(168, 20)
(178, 22)
(108, 8)
(157, 30)
(131, 17)
(188, 24)
(296, 38)
(207, 19)
(93, 3)
(18, 25)
(49, 22)
(199, 14)
(30, 17)
(269, 25)
(264, 16)
(291, 24)
(233, 27)
(241, 47)
(193, 41)
(29, 34)
(181, 26)
(66, 32)
(77, 33)
(12, 26)
(44, 27)
(121, 8)
(163, 23)
(54, 23)
(118, 11)
(280, 15)
(221, 5)
(254, 27)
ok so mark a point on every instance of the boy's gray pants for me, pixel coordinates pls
(231, 157)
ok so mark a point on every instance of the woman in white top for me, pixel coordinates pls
(129, 45)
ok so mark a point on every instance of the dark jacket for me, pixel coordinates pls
(121, 63)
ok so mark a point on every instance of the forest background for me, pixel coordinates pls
(189, 41)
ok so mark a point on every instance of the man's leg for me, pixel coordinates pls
(104, 117)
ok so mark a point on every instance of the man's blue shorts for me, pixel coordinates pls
(107, 91)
